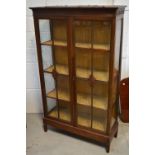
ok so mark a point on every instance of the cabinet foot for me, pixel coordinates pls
(108, 147)
(45, 127)
(116, 134)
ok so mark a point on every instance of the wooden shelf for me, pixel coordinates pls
(61, 69)
(80, 72)
(95, 46)
(78, 45)
(102, 46)
(56, 43)
(60, 43)
(48, 43)
(49, 69)
(98, 75)
(63, 113)
(62, 95)
(83, 45)
(82, 99)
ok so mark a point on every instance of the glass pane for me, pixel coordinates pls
(61, 56)
(101, 66)
(101, 46)
(83, 91)
(101, 35)
(61, 60)
(84, 116)
(100, 105)
(53, 34)
(44, 27)
(47, 57)
(113, 115)
(83, 63)
(60, 92)
(47, 51)
(82, 38)
(52, 107)
(100, 95)
(82, 34)
(99, 119)
(50, 87)
(63, 88)
(60, 30)
(49, 82)
(65, 111)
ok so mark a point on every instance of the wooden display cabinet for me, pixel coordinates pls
(79, 56)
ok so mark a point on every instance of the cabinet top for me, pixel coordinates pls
(66, 10)
(82, 6)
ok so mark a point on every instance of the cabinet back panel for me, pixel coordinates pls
(82, 31)
(101, 61)
(83, 86)
(60, 30)
(63, 83)
(61, 56)
(83, 58)
(102, 32)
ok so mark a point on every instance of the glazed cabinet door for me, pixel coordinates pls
(55, 64)
(92, 40)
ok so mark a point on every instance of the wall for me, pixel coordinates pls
(33, 93)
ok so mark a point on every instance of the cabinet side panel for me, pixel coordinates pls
(40, 64)
(116, 70)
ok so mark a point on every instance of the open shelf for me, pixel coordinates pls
(82, 99)
(56, 43)
(80, 72)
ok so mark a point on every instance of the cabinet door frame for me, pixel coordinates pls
(111, 53)
(40, 62)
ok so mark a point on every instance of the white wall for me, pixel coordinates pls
(33, 92)
(125, 56)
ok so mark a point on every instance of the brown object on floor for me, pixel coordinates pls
(124, 100)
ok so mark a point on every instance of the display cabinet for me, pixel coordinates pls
(79, 55)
